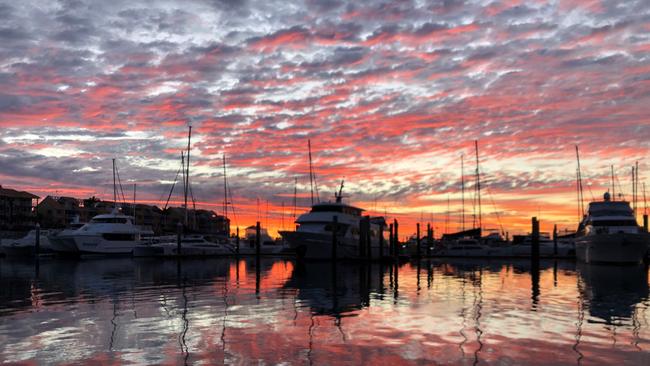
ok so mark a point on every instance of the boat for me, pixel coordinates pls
(522, 248)
(60, 242)
(26, 246)
(465, 247)
(191, 245)
(312, 238)
(113, 234)
(268, 246)
(609, 233)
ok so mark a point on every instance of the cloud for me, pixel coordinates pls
(391, 94)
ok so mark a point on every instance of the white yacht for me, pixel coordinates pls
(609, 233)
(26, 246)
(464, 247)
(191, 245)
(313, 236)
(546, 247)
(113, 234)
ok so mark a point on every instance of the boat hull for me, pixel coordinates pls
(171, 250)
(87, 244)
(612, 248)
(319, 246)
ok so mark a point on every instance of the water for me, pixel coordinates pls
(142, 311)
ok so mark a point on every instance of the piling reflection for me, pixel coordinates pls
(279, 311)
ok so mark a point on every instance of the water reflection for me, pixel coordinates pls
(278, 311)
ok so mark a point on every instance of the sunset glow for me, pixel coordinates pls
(391, 95)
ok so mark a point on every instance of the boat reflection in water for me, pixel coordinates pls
(215, 311)
(613, 293)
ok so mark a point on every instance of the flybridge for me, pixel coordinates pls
(337, 207)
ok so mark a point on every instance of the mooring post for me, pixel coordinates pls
(396, 240)
(179, 234)
(418, 251)
(362, 237)
(534, 247)
(37, 244)
(429, 240)
(237, 242)
(335, 228)
(381, 242)
(368, 239)
(555, 240)
(257, 239)
(645, 222)
(390, 240)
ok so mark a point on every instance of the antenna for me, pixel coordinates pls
(133, 203)
(478, 184)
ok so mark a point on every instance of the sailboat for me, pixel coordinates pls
(191, 244)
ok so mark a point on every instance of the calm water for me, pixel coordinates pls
(122, 311)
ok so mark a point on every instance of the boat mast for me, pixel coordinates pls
(134, 203)
(187, 174)
(312, 177)
(295, 196)
(462, 190)
(613, 186)
(478, 184)
(114, 187)
(581, 207)
(225, 188)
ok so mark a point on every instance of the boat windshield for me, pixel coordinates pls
(109, 220)
(614, 223)
(336, 208)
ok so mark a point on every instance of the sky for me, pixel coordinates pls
(392, 95)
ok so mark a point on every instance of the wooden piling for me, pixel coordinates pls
(390, 240)
(429, 239)
(368, 239)
(534, 245)
(37, 244)
(396, 239)
(555, 240)
(258, 238)
(645, 222)
(335, 226)
(418, 250)
(237, 242)
(381, 242)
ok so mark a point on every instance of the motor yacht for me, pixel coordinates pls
(312, 238)
(108, 234)
(609, 233)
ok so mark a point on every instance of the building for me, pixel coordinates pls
(17, 209)
(56, 212)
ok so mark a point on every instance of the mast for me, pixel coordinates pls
(225, 189)
(114, 187)
(613, 186)
(187, 173)
(311, 173)
(581, 204)
(295, 196)
(133, 203)
(462, 191)
(478, 185)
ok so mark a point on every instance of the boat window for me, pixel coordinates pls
(342, 228)
(614, 223)
(118, 237)
(109, 220)
(611, 212)
(337, 208)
